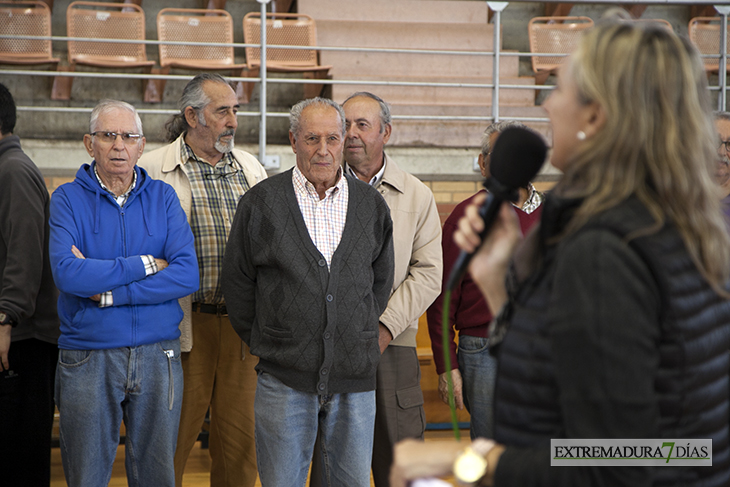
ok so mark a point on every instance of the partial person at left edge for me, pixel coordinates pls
(28, 320)
(122, 253)
(722, 172)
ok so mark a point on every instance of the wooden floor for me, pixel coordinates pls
(197, 471)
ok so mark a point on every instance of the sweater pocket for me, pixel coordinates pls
(357, 355)
(278, 333)
(278, 346)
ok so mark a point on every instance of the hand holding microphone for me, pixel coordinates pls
(517, 157)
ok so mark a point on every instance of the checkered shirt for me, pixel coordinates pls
(215, 194)
(325, 219)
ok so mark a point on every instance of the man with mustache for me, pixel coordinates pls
(210, 176)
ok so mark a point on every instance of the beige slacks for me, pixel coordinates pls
(219, 373)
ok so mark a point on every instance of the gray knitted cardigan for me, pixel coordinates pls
(313, 329)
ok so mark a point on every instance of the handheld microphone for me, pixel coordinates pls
(517, 157)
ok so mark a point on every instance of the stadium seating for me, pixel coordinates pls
(704, 32)
(558, 35)
(32, 18)
(195, 25)
(297, 30)
(98, 20)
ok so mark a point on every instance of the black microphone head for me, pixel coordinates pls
(517, 156)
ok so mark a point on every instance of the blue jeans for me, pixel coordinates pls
(287, 422)
(97, 389)
(478, 372)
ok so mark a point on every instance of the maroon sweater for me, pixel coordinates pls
(469, 312)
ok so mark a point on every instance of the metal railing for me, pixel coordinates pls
(263, 79)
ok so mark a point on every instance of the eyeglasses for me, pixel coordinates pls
(111, 137)
(218, 175)
(725, 144)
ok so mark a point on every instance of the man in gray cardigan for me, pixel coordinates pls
(306, 275)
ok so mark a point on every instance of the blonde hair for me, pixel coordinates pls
(658, 139)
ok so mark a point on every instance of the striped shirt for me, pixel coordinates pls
(119, 199)
(375, 181)
(324, 219)
(106, 299)
(215, 193)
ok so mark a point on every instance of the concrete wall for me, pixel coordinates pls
(35, 90)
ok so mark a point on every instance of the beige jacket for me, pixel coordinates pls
(166, 163)
(418, 256)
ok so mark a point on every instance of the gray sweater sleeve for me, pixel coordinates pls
(238, 275)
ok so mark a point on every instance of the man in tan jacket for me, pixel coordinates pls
(210, 176)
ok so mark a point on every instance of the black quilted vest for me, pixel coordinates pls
(691, 382)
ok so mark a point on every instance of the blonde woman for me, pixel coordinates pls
(616, 321)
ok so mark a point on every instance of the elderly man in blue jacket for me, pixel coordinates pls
(122, 253)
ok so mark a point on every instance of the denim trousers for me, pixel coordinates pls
(478, 372)
(98, 389)
(399, 412)
(287, 422)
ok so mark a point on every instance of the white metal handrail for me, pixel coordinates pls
(263, 79)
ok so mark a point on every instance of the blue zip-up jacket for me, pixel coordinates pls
(112, 238)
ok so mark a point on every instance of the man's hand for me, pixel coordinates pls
(5, 345)
(458, 388)
(384, 338)
(161, 264)
(79, 255)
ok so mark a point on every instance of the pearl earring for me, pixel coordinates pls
(581, 135)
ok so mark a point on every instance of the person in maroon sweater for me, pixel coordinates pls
(473, 368)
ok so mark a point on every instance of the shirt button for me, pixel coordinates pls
(330, 298)
(321, 387)
(327, 335)
(322, 262)
(324, 371)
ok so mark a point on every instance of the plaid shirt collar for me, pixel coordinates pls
(303, 186)
(121, 199)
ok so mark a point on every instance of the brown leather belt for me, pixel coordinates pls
(213, 309)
